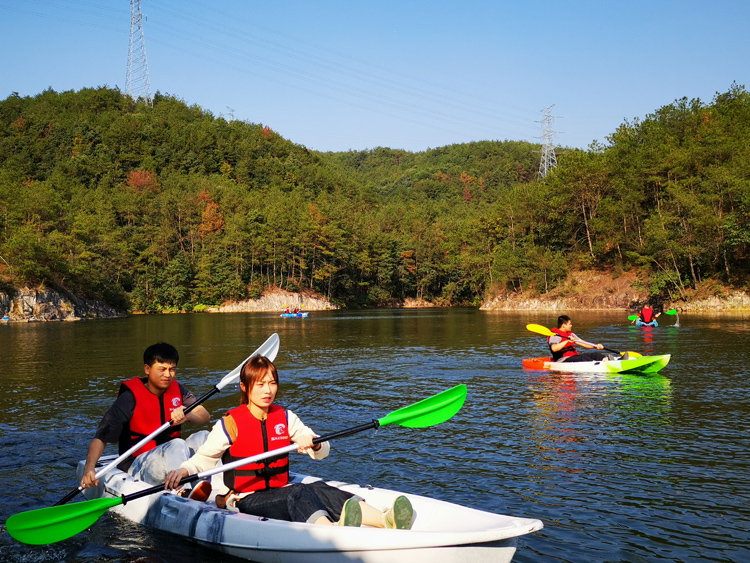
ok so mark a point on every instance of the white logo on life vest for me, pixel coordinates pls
(176, 402)
(280, 429)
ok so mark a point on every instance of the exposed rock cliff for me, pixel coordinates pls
(276, 301)
(48, 305)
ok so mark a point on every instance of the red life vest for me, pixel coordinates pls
(150, 413)
(255, 437)
(568, 350)
(647, 314)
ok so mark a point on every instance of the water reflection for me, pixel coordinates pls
(619, 467)
(556, 418)
(645, 394)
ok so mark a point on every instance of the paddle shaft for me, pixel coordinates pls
(594, 345)
(269, 348)
(280, 452)
(672, 312)
(104, 470)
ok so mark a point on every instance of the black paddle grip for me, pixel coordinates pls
(208, 395)
(157, 488)
(348, 432)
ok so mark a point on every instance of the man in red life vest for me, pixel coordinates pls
(143, 405)
(563, 342)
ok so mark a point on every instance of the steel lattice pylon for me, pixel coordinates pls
(137, 83)
(549, 160)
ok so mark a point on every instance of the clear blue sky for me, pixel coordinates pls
(340, 75)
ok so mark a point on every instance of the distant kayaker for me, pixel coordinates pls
(563, 342)
(143, 405)
(646, 317)
(262, 489)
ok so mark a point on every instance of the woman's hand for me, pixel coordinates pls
(174, 477)
(305, 442)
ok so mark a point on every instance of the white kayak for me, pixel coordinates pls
(443, 532)
(642, 364)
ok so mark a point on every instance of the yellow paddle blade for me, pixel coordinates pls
(539, 329)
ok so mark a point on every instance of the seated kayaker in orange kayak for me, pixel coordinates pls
(563, 342)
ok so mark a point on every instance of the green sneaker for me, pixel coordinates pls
(400, 515)
(351, 514)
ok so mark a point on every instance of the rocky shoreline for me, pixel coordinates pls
(45, 305)
(601, 291)
(276, 301)
(589, 292)
(29, 305)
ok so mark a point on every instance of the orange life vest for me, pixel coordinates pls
(255, 437)
(150, 413)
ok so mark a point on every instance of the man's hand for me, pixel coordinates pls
(174, 477)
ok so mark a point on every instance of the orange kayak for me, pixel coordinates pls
(536, 363)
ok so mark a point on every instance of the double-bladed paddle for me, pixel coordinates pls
(269, 349)
(56, 523)
(543, 330)
(670, 312)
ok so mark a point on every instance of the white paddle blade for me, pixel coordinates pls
(269, 349)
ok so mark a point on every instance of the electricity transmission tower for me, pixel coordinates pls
(137, 83)
(549, 160)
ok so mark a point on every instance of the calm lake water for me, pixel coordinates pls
(619, 468)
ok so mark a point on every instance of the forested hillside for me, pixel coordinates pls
(169, 208)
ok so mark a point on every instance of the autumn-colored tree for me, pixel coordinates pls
(142, 181)
(212, 217)
(441, 176)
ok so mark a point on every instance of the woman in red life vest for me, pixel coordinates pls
(563, 342)
(261, 489)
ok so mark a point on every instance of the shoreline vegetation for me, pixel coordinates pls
(111, 206)
(591, 291)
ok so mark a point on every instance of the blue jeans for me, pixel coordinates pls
(153, 466)
(301, 502)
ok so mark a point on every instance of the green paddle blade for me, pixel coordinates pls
(57, 523)
(430, 411)
(671, 312)
(632, 317)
